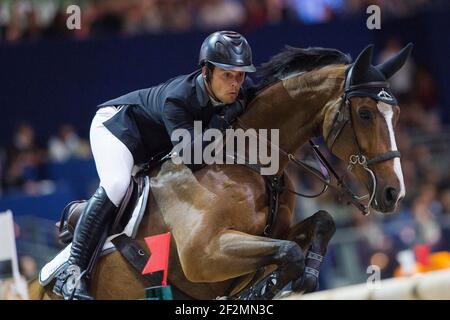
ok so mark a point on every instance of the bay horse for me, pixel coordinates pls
(217, 215)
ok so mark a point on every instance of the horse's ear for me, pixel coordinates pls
(391, 66)
(362, 63)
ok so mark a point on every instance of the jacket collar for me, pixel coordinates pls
(202, 94)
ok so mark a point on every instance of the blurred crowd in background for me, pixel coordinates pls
(30, 20)
(23, 164)
(424, 216)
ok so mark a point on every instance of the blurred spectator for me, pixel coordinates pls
(67, 144)
(316, 11)
(109, 21)
(176, 15)
(25, 166)
(402, 8)
(390, 8)
(256, 15)
(425, 91)
(444, 199)
(424, 211)
(275, 10)
(28, 267)
(33, 30)
(144, 16)
(58, 26)
(13, 30)
(216, 14)
(402, 81)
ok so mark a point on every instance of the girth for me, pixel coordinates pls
(274, 186)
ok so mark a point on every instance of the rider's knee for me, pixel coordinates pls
(116, 189)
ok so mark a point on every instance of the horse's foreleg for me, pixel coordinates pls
(231, 254)
(313, 233)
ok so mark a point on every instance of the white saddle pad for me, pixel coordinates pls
(52, 268)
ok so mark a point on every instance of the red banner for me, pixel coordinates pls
(159, 254)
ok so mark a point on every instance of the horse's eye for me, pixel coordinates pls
(365, 114)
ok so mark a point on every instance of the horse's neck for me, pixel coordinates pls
(301, 107)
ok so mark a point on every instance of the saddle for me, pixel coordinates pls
(73, 211)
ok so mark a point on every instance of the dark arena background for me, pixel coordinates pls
(52, 77)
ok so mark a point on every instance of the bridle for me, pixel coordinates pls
(342, 118)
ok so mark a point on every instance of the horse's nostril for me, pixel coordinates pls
(390, 195)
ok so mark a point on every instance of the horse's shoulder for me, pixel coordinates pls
(231, 176)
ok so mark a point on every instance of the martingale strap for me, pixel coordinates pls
(275, 186)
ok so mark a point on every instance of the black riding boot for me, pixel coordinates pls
(71, 283)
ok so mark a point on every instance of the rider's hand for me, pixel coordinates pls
(218, 122)
(232, 111)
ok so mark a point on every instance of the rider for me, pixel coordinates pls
(131, 129)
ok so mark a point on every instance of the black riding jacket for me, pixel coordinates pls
(149, 116)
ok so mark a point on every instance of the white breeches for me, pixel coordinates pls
(113, 160)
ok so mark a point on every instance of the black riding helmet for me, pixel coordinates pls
(227, 50)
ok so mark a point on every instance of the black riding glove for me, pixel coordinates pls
(232, 111)
(218, 122)
(226, 115)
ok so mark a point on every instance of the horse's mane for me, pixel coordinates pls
(293, 60)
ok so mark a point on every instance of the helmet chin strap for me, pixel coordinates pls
(210, 90)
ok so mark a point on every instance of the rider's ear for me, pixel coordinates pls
(391, 66)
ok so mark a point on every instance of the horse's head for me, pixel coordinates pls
(362, 132)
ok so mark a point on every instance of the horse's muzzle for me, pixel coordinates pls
(389, 199)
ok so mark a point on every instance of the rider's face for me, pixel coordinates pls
(226, 84)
